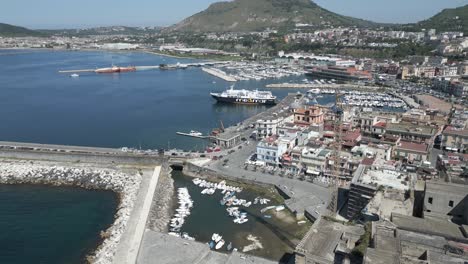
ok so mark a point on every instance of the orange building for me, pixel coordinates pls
(313, 115)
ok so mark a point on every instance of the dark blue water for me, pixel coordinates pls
(137, 109)
(41, 224)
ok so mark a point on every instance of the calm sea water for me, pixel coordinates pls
(137, 109)
(208, 216)
(41, 224)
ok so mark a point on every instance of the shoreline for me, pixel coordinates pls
(125, 187)
(147, 51)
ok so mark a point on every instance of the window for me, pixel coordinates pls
(429, 200)
(451, 203)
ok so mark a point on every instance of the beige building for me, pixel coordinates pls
(454, 139)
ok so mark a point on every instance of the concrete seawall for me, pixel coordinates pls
(219, 73)
(128, 249)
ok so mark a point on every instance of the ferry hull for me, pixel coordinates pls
(232, 100)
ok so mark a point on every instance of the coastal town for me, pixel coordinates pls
(352, 146)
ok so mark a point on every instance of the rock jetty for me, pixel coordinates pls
(125, 185)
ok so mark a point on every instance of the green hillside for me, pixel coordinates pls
(257, 15)
(7, 30)
(453, 19)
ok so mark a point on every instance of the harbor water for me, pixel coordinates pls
(42, 224)
(135, 109)
(277, 232)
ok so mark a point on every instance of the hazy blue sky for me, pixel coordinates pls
(83, 13)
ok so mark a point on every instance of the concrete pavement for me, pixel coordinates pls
(163, 248)
(127, 251)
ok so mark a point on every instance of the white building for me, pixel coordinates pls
(119, 46)
(268, 126)
(271, 149)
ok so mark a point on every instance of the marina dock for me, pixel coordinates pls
(219, 73)
(322, 86)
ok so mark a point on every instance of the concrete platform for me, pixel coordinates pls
(127, 251)
(162, 248)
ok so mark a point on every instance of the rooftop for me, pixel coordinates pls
(411, 128)
(433, 186)
(383, 177)
(455, 131)
(428, 226)
(411, 146)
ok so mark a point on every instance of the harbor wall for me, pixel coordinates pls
(220, 74)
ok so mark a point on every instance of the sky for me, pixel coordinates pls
(54, 14)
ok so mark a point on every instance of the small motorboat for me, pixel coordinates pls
(74, 75)
(195, 133)
(220, 244)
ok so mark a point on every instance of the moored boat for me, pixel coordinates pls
(245, 97)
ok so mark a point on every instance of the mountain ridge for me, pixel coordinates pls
(449, 19)
(256, 15)
(8, 30)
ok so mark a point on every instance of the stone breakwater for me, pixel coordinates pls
(126, 186)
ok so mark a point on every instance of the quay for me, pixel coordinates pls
(219, 73)
(156, 67)
(322, 86)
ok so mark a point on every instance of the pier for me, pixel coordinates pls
(220, 74)
(157, 67)
(322, 86)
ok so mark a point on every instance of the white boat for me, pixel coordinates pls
(243, 220)
(214, 236)
(219, 244)
(314, 91)
(74, 75)
(195, 133)
(279, 208)
(218, 238)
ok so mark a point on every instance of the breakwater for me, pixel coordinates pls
(125, 185)
(220, 74)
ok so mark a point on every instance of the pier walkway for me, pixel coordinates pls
(127, 251)
(220, 74)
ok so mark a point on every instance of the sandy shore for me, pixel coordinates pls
(124, 184)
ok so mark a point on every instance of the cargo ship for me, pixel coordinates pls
(245, 97)
(115, 69)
